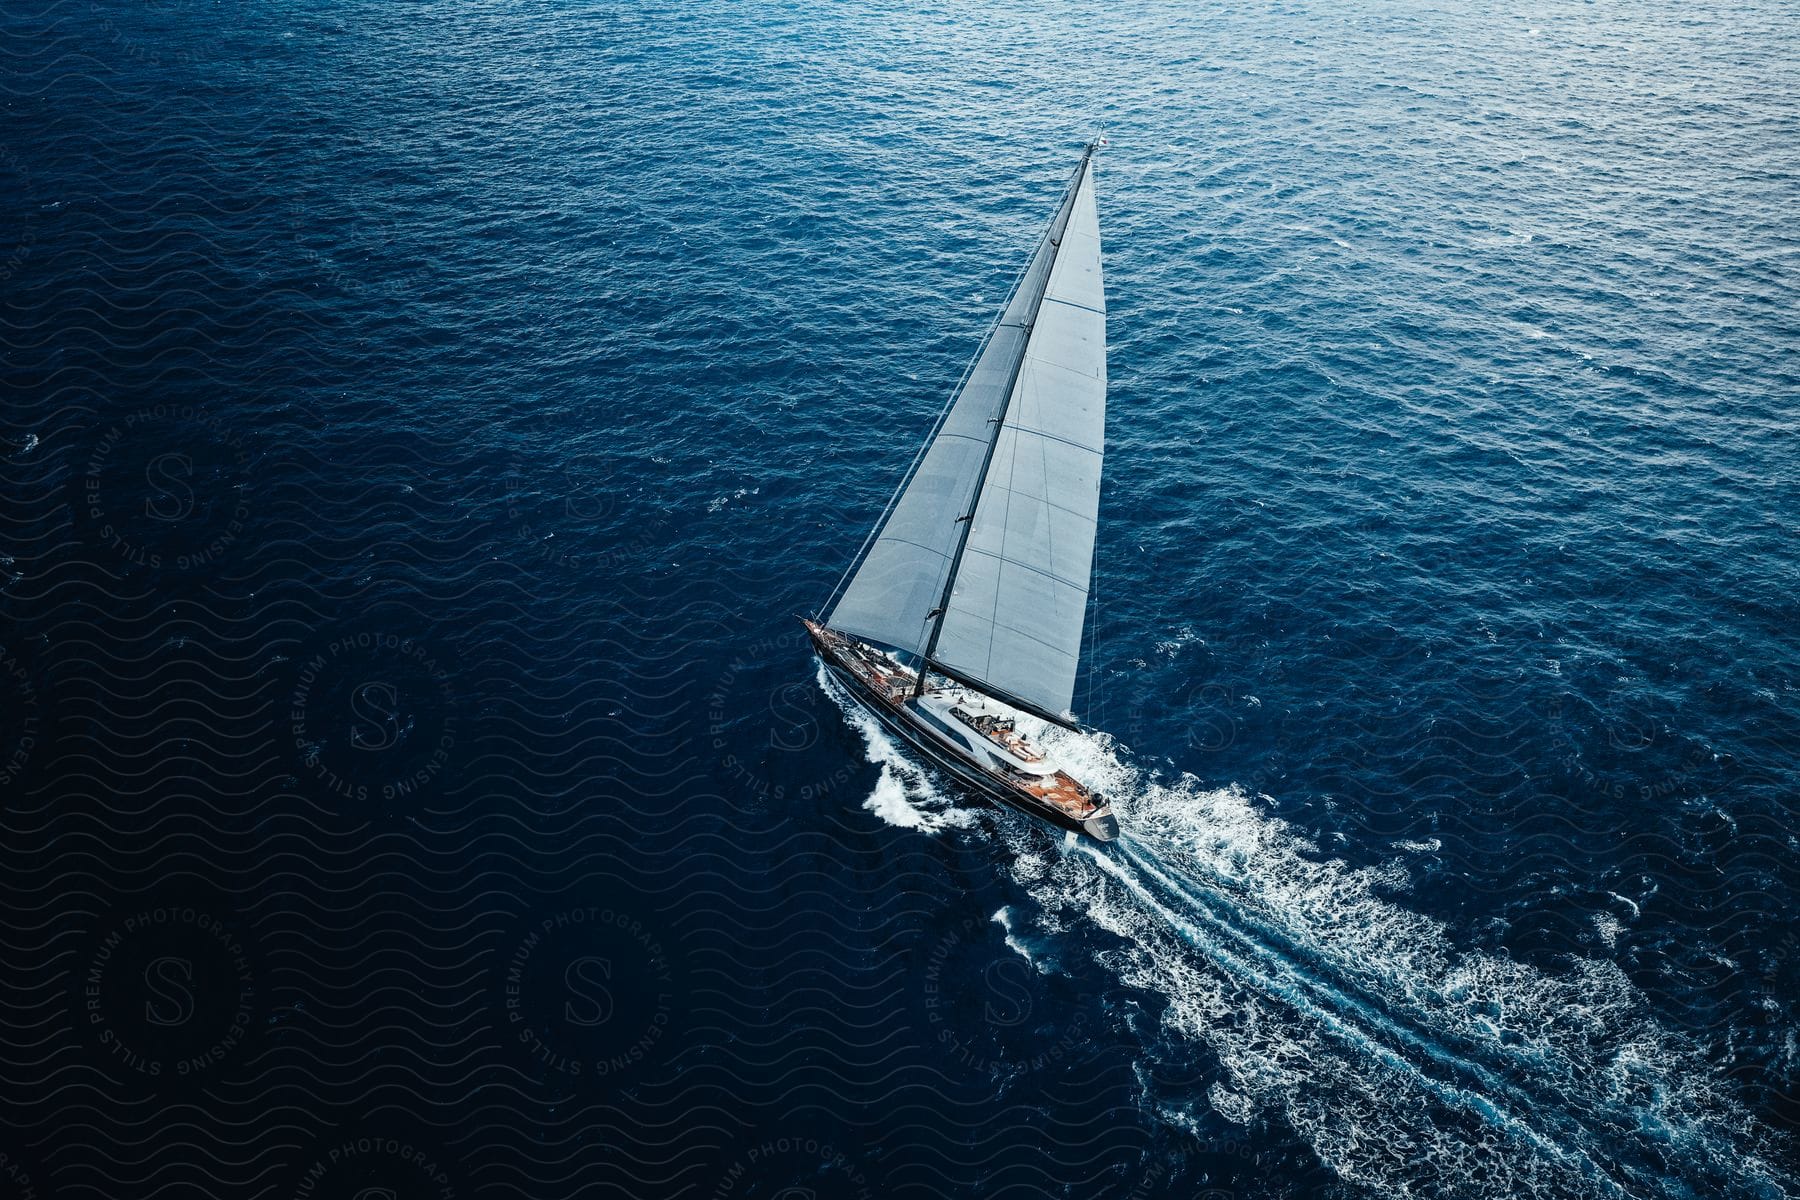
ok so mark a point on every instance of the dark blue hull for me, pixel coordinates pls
(897, 722)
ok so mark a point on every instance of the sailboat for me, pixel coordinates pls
(961, 616)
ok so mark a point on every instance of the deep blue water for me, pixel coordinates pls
(422, 422)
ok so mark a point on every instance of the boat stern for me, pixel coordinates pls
(1102, 826)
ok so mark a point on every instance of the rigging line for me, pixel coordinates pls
(943, 415)
(1091, 616)
(1050, 540)
(1012, 471)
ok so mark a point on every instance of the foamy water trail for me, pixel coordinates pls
(905, 794)
(1410, 1066)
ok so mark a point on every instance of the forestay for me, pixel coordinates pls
(1020, 448)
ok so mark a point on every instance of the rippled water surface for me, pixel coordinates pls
(423, 422)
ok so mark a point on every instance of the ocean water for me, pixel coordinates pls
(423, 421)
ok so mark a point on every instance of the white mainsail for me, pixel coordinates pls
(983, 563)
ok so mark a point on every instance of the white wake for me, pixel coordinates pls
(1410, 1066)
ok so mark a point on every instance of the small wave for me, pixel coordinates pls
(1003, 918)
(1629, 903)
(1233, 1106)
(717, 503)
(1185, 636)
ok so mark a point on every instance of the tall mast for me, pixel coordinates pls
(967, 520)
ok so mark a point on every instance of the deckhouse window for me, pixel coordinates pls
(937, 722)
